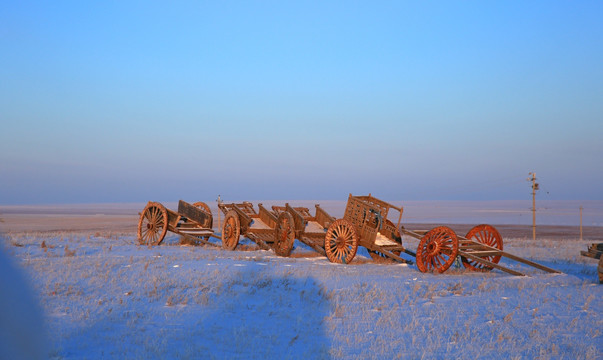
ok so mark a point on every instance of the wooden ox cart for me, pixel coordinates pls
(310, 230)
(365, 223)
(193, 222)
(269, 229)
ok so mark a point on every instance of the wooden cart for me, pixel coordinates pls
(193, 222)
(365, 223)
(267, 228)
(310, 230)
(595, 251)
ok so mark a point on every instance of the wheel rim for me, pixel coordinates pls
(341, 242)
(205, 208)
(152, 225)
(437, 250)
(285, 234)
(231, 231)
(487, 235)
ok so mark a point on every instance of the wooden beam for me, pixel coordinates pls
(491, 264)
(306, 240)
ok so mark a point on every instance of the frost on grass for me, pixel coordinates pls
(104, 296)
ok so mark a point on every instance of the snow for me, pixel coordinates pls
(258, 224)
(115, 299)
(382, 240)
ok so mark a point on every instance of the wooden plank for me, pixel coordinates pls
(196, 239)
(257, 239)
(196, 232)
(308, 241)
(517, 258)
(491, 264)
(388, 253)
(193, 213)
(417, 234)
(484, 253)
(531, 263)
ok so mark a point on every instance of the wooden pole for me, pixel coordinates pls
(580, 222)
(219, 201)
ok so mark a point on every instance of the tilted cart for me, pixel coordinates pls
(310, 230)
(269, 229)
(365, 223)
(193, 222)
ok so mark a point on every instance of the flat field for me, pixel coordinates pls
(104, 296)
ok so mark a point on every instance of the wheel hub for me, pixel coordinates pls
(432, 248)
(340, 242)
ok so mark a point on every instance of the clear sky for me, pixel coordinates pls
(127, 101)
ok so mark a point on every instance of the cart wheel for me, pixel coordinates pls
(152, 225)
(284, 234)
(210, 223)
(437, 250)
(487, 235)
(341, 242)
(231, 230)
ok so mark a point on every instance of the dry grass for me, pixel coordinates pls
(356, 311)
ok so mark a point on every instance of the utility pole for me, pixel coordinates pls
(580, 222)
(535, 187)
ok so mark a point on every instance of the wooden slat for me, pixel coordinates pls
(394, 256)
(308, 241)
(484, 253)
(196, 239)
(517, 258)
(257, 239)
(531, 263)
(193, 213)
(196, 232)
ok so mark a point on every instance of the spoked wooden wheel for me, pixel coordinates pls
(341, 242)
(210, 222)
(231, 230)
(205, 208)
(487, 235)
(437, 250)
(284, 234)
(152, 225)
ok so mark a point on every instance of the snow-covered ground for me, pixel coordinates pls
(105, 297)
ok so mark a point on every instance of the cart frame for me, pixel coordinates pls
(192, 221)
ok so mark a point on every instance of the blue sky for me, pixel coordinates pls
(126, 101)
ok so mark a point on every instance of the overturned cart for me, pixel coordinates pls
(365, 223)
(193, 222)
